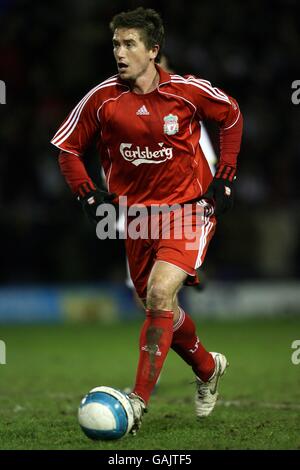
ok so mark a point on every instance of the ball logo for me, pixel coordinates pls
(140, 155)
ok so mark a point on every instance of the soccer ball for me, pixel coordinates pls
(105, 413)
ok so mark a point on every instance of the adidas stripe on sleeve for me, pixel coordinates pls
(77, 131)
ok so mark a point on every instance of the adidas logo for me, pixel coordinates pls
(143, 111)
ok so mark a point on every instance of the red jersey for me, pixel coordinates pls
(149, 143)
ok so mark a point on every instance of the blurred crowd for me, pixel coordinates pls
(52, 53)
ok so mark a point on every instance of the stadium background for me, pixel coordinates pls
(53, 268)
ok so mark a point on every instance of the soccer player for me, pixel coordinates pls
(146, 123)
(209, 153)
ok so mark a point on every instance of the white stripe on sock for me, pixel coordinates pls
(180, 320)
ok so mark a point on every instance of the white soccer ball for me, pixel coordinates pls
(105, 413)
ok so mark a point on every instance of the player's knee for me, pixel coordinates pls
(159, 296)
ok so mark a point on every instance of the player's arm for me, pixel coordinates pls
(73, 169)
(214, 104)
(72, 138)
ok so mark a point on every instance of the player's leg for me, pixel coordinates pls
(157, 332)
(187, 345)
(208, 367)
(141, 256)
(141, 303)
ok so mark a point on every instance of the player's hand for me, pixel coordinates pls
(220, 194)
(91, 197)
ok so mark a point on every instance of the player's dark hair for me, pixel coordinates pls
(148, 21)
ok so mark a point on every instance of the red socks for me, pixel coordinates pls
(186, 343)
(157, 336)
(155, 342)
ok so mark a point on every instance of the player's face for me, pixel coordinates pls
(131, 54)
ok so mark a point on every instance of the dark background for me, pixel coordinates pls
(52, 53)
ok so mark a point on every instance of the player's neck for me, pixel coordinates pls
(146, 82)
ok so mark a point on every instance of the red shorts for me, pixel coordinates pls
(181, 239)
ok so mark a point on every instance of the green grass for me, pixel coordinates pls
(50, 368)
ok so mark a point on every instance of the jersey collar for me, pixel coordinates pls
(164, 77)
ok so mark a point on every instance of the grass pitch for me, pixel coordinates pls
(50, 368)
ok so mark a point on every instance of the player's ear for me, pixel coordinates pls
(154, 51)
